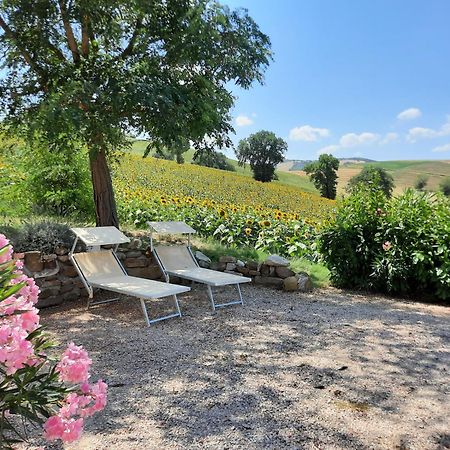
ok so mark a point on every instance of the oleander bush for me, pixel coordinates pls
(34, 388)
(399, 245)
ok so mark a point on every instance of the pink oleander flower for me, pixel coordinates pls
(15, 349)
(6, 253)
(68, 430)
(99, 393)
(74, 365)
(387, 246)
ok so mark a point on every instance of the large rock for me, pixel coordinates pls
(290, 284)
(269, 281)
(33, 261)
(202, 257)
(304, 283)
(218, 266)
(277, 261)
(135, 244)
(300, 283)
(284, 272)
(230, 266)
(253, 265)
(227, 259)
(142, 261)
(152, 272)
(267, 271)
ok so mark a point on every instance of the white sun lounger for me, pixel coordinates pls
(102, 269)
(178, 260)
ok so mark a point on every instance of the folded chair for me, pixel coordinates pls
(102, 269)
(178, 261)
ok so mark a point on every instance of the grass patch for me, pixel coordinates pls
(319, 274)
(214, 250)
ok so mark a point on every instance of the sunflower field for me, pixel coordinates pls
(232, 208)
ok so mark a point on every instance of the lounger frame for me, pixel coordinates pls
(90, 285)
(182, 228)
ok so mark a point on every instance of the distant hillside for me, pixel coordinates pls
(293, 165)
(405, 173)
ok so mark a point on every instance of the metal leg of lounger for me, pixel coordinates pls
(221, 305)
(211, 297)
(170, 316)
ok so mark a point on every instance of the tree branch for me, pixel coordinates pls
(69, 33)
(13, 36)
(85, 35)
(130, 47)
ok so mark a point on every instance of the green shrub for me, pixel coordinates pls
(444, 186)
(373, 178)
(58, 181)
(399, 245)
(421, 182)
(43, 236)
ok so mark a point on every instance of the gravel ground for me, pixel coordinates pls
(327, 370)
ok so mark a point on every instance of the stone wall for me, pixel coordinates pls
(58, 279)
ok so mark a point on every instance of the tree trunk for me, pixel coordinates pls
(105, 204)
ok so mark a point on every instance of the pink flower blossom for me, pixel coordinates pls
(74, 365)
(387, 246)
(68, 430)
(98, 393)
(5, 253)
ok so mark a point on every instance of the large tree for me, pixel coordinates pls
(85, 73)
(263, 151)
(375, 178)
(323, 173)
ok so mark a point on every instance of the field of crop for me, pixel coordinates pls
(405, 173)
(235, 209)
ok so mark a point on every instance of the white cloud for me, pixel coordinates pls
(441, 149)
(428, 133)
(308, 133)
(353, 139)
(243, 121)
(389, 137)
(328, 149)
(409, 114)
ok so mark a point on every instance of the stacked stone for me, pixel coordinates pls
(274, 271)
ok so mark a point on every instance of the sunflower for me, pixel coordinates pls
(222, 213)
(249, 222)
(265, 223)
(248, 231)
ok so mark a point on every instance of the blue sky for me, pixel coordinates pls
(364, 78)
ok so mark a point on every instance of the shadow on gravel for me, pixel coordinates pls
(284, 371)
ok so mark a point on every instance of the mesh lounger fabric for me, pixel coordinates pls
(178, 261)
(103, 271)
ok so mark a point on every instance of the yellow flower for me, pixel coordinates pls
(222, 213)
(249, 222)
(248, 231)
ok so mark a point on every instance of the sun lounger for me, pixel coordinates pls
(178, 261)
(102, 269)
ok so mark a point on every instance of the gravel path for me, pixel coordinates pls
(328, 370)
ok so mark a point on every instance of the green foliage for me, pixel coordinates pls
(373, 177)
(421, 182)
(263, 150)
(444, 186)
(398, 245)
(320, 275)
(57, 181)
(214, 159)
(42, 236)
(90, 72)
(323, 173)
